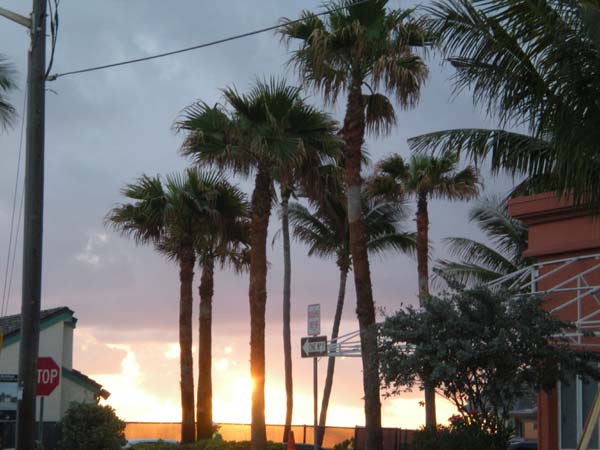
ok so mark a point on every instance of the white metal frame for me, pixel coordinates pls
(584, 290)
(580, 420)
(345, 345)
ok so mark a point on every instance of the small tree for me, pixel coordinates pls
(483, 350)
(88, 426)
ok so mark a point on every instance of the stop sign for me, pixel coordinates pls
(48, 376)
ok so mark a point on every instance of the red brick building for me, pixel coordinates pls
(564, 248)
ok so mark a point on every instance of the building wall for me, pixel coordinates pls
(56, 341)
(51, 344)
(557, 230)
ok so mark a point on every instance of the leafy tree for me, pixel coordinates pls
(88, 426)
(355, 46)
(325, 231)
(265, 132)
(174, 217)
(426, 177)
(7, 84)
(532, 65)
(480, 263)
(482, 349)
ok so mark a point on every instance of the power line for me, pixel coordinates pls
(7, 274)
(196, 47)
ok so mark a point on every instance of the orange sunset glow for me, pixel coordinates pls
(145, 387)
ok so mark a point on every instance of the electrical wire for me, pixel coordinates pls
(12, 249)
(196, 47)
(14, 255)
(53, 32)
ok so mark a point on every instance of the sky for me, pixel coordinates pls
(106, 128)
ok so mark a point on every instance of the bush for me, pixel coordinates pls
(88, 426)
(347, 444)
(461, 434)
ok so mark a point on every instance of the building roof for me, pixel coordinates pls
(11, 325)
(85, 381)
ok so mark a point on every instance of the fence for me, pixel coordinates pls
(393, 438)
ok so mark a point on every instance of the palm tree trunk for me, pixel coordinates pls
(187, 260)
(261, 210)
(353, 132)
(204, 399)
(331, 362)
(287, 337)
(423, 274)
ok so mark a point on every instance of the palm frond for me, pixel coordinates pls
(464, 274)
(532, 63)
(514, 152)
(7, 84)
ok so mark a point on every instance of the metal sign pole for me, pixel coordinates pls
(41, 424)
(315, 407)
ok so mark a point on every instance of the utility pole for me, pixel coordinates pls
(33, 223)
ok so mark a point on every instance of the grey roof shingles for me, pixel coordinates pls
(12, 324)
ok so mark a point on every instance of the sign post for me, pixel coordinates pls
(48, 378)
(313, 329)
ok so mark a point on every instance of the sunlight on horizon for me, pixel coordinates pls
(133, 400)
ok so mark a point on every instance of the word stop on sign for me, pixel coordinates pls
(47, 376)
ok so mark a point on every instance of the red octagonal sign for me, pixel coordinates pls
(48, 376)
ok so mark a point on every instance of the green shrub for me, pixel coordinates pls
(88, 426)
(347, 444)
(157, 446)
(461, 434)
(217, 444)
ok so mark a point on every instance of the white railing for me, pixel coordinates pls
(581, 289)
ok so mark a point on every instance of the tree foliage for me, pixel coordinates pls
(533, 65)
(88, 426)
(7, 84)
(481, 263)
(483, 350)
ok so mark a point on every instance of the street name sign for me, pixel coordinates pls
(48, 376)
(313, 346)
(314, 319)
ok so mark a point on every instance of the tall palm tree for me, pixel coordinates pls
(356, 46)
(533, 65)
(7, 84)
(172, 216)
(479, 263)
(426, 177)
(311, 178)
(263, 132)
(325, 231)
(224, 243)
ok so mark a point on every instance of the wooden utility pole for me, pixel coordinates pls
(33, 227)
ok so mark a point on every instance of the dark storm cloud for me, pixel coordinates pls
(108, 127)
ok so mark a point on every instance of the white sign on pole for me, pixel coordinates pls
(314, 319)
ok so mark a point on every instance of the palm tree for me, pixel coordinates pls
(223, 243)
(7, 84)
(264, 132)
(480, 263)
(172, 217)
(310, 177)
(426, 177)
(361, 45)
(325, 231)
(533, 65)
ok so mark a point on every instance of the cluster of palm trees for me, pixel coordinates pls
(531, 64)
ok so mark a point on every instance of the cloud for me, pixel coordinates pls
(89, 253)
